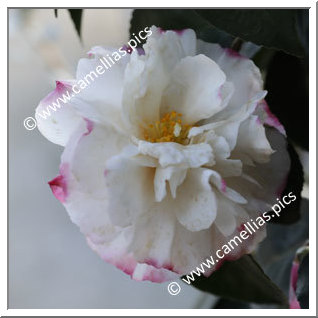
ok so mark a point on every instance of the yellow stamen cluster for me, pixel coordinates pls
(168, 129)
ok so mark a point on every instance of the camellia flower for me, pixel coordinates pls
(166, 154)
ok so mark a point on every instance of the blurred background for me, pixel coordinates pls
(50, 264)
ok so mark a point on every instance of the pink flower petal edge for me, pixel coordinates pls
(59, 184)
(293, 302)
(270, 119)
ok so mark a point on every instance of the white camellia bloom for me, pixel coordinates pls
(166, 154)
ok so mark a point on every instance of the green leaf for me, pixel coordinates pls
(273, 28)
(76, 16)
(295, 180)
(303, 28)
(281, 29)
(242, 280)
(225, 303)
(277, 252)
(178, 19)
(263, 58)
(288, 95)
(288, 98)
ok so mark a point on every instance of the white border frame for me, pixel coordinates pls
(158, 312)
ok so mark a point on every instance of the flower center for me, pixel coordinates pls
(168, 129)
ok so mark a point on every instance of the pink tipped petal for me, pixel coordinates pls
(127, 48)
(282, 187)
(223, 186)
(188, 41)
(89, 126)
(59, 184)
(268, 118)
(90, 205)
(99, 83)
(127, 264)
(186, 37)
(239, 70)
(293, 302)
(58, 188)
(154, 263)
(153, 237)
(140, 51)
(97, 51)
(220, 184)
(57, 120)
(233, 53)
(144, 272)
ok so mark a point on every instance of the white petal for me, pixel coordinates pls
(177, 179)
(57, 120)
(195, 205)
(82, 167)
(147, 76)
(114, 187)
(270, 176)
(153, 236)
(188, 41)
(175, 176)
(101, 99)
(220, 183)
(191, 248)
(239, 70)
(226, 167)
(228, 128)
(252, 144)
(107, 84)
(150, 273)
(161, 176)
(229, 167)
(267, 117)
(90, 204)
(130, 191)
(226, 216)
(220, 147)
(171, 153)
(186, 94)
(116, 254)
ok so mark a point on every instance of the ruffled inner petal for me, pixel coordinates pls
(186, 94)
